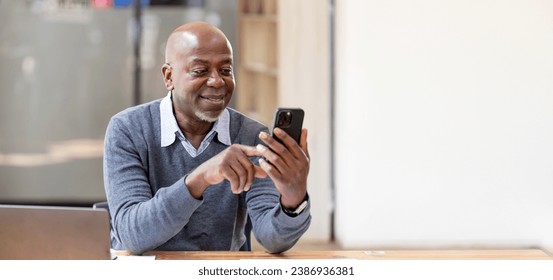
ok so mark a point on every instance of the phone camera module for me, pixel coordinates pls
(285, 119)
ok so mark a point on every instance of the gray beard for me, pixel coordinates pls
(207, 118)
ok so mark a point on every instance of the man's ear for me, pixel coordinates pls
(167, 72)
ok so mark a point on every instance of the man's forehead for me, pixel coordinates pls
(190, 40)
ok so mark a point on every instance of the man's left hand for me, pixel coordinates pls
(287, 165)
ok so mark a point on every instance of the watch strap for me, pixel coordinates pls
(299, 209)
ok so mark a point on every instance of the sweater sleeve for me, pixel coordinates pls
(274, 229)
(141, 221)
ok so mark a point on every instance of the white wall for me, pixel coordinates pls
(444, 124)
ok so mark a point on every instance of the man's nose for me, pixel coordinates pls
(215, 80)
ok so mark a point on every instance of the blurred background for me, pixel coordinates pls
(430, 122)
(67, 67)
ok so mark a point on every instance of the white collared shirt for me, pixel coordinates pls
(170, 129)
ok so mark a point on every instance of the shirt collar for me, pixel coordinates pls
(169, 124)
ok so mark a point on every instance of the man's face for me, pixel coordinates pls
(203, 78)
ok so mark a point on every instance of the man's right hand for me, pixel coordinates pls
(232, 164)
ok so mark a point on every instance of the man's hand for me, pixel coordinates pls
(232, 164)
(287, 165)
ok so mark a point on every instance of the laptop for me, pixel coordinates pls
(53, 233)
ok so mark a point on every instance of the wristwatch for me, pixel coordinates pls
(298, 210)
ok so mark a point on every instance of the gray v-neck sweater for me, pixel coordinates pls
(151, 208)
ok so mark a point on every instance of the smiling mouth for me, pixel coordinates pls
(214, 99)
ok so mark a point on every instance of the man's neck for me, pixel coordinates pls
(194, 130)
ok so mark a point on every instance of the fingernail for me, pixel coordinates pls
(279, 132)
(263, 135)
(261, 148)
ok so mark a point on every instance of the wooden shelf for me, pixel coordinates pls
(261, 68)
(257, 91)
(263, 7)
(258, 18)
(283, 60)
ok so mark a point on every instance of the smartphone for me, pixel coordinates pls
(290, 120)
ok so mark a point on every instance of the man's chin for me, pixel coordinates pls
(209, 117)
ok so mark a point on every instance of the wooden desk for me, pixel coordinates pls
(518, 254)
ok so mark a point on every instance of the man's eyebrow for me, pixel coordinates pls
(203, 61)
(227, 60)
(199, 60)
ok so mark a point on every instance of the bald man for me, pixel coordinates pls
(184, 172)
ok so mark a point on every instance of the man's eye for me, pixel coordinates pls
(198, 72)
(226, 71)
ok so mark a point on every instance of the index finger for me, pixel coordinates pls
(254, 152)
(289, 142)
(250, 151)
(303, 142)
